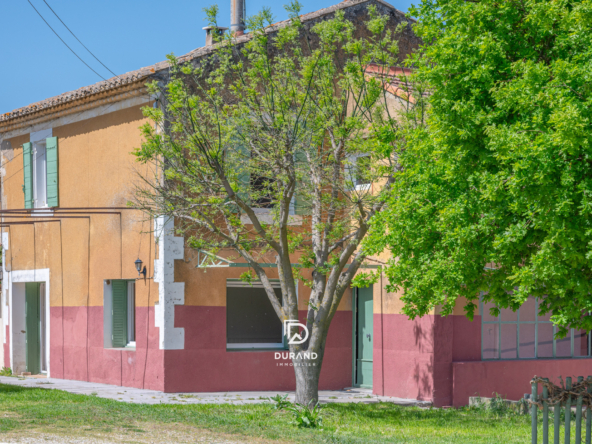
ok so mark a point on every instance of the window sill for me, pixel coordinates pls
(255, 347)
(265, 216)
(133, 349)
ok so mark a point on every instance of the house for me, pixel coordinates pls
(94, 291)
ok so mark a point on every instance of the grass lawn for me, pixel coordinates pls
(27, 411)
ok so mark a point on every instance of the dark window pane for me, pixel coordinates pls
(545, 340)
(250, 318)
(528, 311)
(508, 341)
(490, 341)
(526, 340)
(486, 316)
(581, 339)
(563, 347)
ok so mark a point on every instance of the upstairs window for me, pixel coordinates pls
(526, 335)
(40, 171)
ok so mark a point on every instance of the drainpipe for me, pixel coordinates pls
(237, 16)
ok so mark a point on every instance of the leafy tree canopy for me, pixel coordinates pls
(495, 191)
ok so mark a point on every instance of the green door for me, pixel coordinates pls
(33, 332)
(364, 337)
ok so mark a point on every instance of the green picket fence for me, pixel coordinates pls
(578, 395)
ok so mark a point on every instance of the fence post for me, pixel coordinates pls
(589, 415)
(534, 410)
(557, 422)
(579, 415)
(545, 412)
(567, 410)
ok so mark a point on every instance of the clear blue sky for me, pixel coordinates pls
(124, 34)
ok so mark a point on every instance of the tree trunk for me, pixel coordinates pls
(307, 371)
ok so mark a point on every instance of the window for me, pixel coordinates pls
(251, 321)
(120, 313)
(40, 170)
(526, 335)
(358, 172)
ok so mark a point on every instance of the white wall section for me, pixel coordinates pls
(170, 293)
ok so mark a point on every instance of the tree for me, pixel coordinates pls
(495, 191)
(261, 133)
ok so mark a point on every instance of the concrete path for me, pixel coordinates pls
(143, 396)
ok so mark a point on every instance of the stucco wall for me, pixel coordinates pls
(96, 169)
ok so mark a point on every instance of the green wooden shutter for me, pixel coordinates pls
(28, 174)
(300, 204)
(119, 338)
(51, 150)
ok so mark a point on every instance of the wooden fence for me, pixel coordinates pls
(578, 396)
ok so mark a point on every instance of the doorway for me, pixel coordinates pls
(363, 337)
(35, 328)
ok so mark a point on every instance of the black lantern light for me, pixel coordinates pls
(138, 264)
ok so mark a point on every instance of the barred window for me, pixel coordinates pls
(524, 334)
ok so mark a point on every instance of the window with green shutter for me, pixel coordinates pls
(28, 174)
(40, 171)
(123, 313)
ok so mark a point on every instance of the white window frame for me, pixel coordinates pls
(237, 283)
(131, 314)
(353, 160)
(38, 140)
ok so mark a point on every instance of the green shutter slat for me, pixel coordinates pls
(51, 149)
(119, 313)
(300, 204)
(28, 174)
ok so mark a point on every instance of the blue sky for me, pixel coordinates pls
(124, 34)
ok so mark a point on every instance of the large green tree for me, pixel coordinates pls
(495, 190)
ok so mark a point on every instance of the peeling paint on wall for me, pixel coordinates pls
(170, 293)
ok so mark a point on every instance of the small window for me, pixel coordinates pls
(120, 313)
(39, 175)
(358, 171)
(251, 321)
(526, 335)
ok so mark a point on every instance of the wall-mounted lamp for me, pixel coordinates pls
(141, 271)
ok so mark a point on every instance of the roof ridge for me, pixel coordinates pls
(147, 71)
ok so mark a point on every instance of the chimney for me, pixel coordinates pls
(237, 16)
(211, 31)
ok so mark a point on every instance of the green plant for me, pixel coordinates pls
(307, 417)
(280, 402)
(6, 371)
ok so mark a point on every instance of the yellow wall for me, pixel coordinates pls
(96, 169)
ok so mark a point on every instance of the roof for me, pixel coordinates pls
(132, 77)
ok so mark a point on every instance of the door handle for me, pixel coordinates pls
(369, 336)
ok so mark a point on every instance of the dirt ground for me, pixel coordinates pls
(138, 434)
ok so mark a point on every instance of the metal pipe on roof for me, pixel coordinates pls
(237, 16)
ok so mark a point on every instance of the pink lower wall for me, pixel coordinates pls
(77, 350)
(511, 379)
(206, 366)
(413, 358)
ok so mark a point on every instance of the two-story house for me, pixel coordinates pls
(93, 291)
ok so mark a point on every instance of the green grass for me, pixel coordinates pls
(25, 409)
